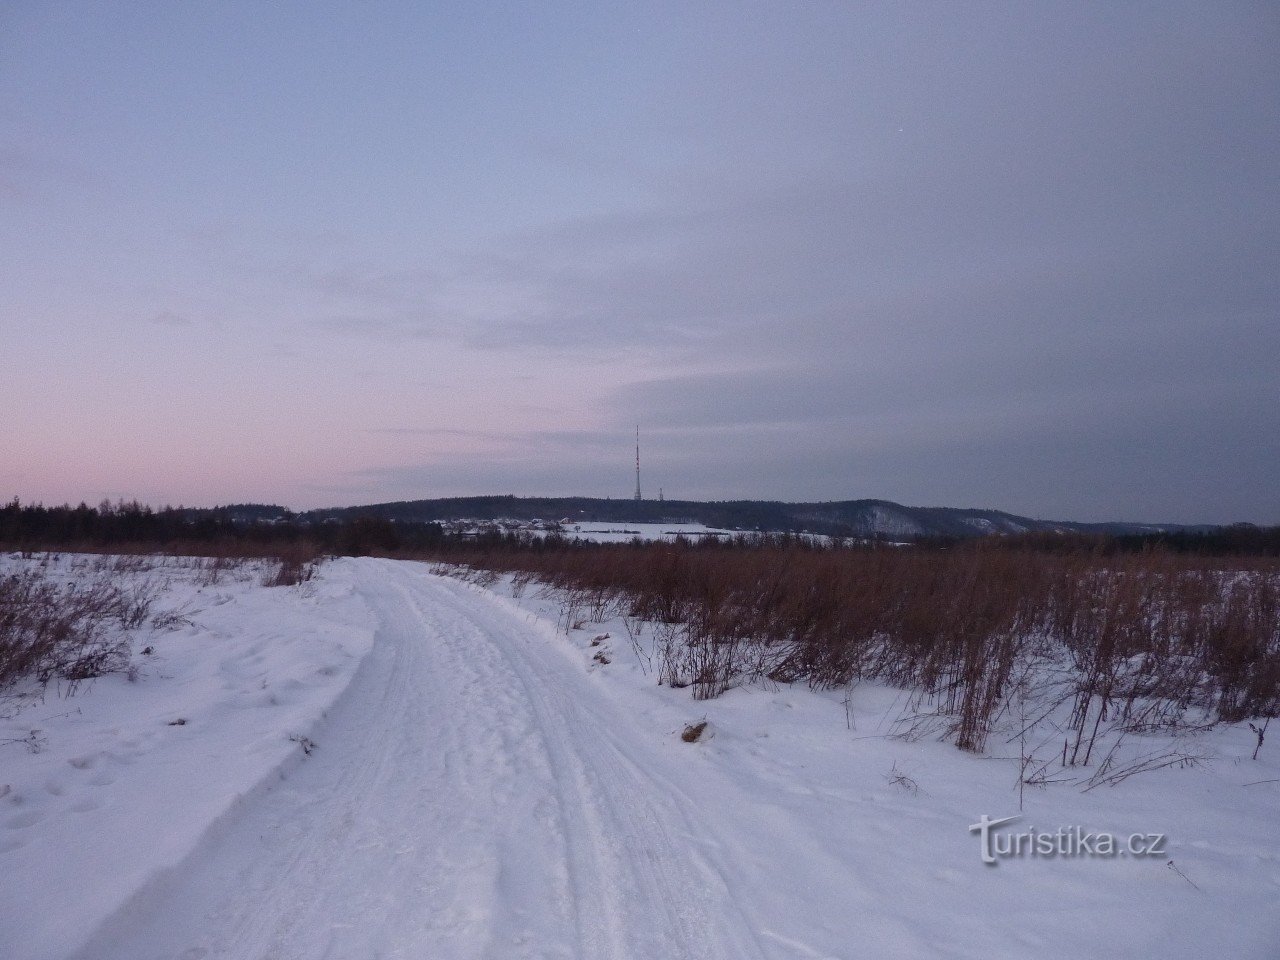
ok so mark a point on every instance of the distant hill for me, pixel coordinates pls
(861, 518)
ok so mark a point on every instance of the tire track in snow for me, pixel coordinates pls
(665, 899)
(473, 797)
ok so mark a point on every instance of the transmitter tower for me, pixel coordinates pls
(637, 461)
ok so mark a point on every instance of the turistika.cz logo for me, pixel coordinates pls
(997, 844)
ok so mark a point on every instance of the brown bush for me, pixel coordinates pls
(68, 629)
(294, 563)
(1136, 639)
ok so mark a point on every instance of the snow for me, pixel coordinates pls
(120, 791)
(889, 522)
(625, 532)
(483, 786)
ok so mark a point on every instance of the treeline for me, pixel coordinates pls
(132, 527)
(739, 514)
(1238, 540)
(259, 528)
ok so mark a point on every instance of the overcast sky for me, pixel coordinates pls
(1020, 255)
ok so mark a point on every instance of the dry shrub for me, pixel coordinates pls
(295, 564)
(68, 629)
(1128, 642)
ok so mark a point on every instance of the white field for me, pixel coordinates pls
(483, 786)
(624, 532)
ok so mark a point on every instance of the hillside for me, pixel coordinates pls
(837, 518)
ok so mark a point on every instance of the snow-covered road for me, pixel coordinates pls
(467, 798)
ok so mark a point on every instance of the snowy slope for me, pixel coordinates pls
(129, 775)
(488, 787)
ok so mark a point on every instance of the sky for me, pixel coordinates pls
(1022, 256)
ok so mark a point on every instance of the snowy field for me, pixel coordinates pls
(386, 763)
(625, 532)
(696, 532)
(603, 532)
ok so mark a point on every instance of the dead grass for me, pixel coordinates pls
(693, 732)
(295, 564)
(1123, 643)
(70, 628)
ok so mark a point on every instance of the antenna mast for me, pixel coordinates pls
(637, 461)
